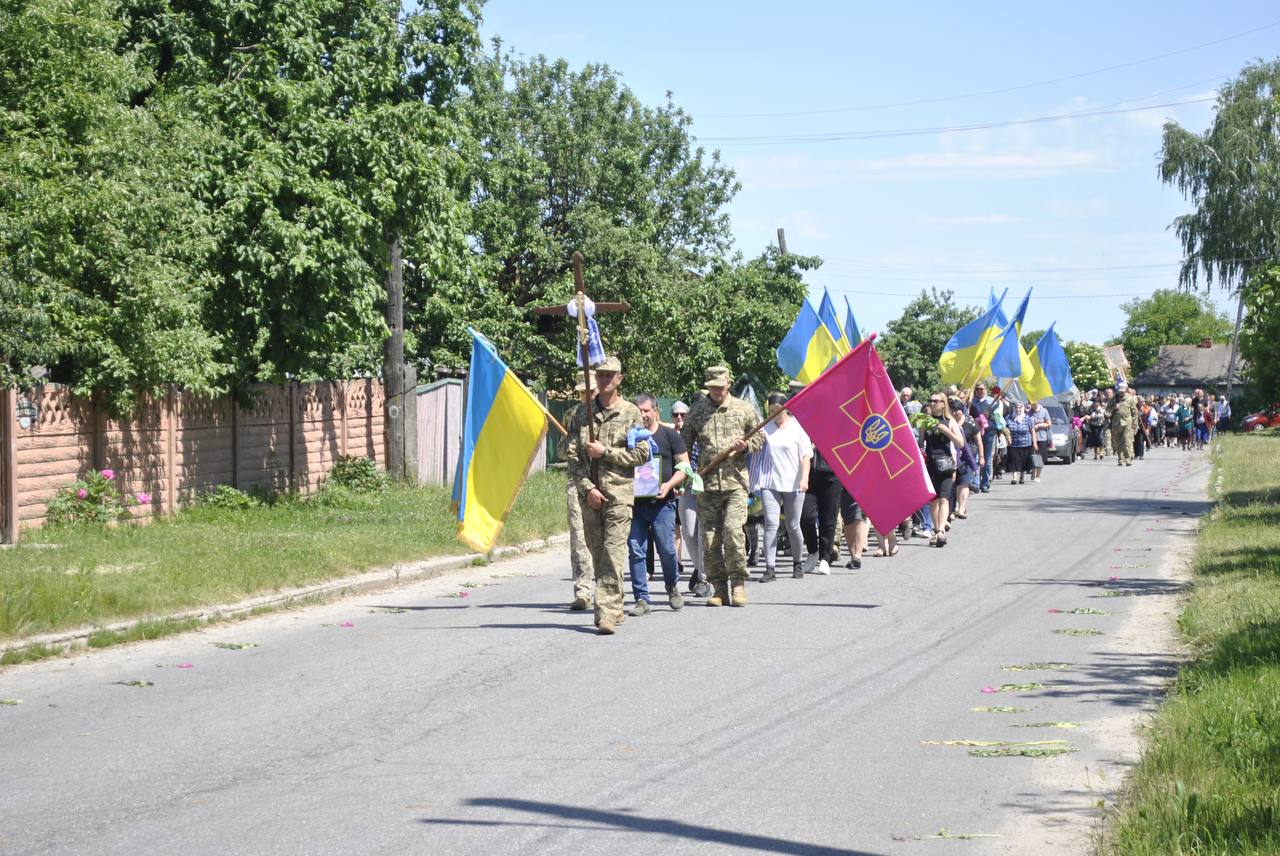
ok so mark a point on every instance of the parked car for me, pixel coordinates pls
(1068, 442)
(1261, 421)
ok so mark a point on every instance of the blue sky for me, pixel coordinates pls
(1074, 208)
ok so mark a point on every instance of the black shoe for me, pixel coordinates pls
(854, 563)
(768, 576)
(797, 571)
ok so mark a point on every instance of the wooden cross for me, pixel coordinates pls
(580, 302)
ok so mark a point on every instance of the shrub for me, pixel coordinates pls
(226, 497)
(357, 474)
(93, 501)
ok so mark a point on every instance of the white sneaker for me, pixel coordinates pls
(823, 568)
(811, 563)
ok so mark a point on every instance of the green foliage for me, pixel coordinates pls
(1088, 365)
(1030, 339)
(570, 160)
(228, 498)
(357, 474)
(1260, 334)
(913, 342)
(92, 501)
(103, 248)
(1230, 173)
(1168, 317)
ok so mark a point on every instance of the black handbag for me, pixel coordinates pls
(942, 462)
(1037, 461)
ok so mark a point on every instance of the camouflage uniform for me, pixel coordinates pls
(605, 529)
(579, 556)
(722, 505)
(1123, 412)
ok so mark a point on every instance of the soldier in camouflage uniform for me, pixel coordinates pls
(1123, 412)
(579, 555)
(719, 423)
(606, 507)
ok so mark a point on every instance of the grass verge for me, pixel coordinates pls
(1209, 782)
(56, 579)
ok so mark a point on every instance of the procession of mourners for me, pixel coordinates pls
(729, 488)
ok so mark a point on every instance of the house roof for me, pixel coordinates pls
(1188, 365)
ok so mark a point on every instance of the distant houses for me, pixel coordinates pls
(1183, 368)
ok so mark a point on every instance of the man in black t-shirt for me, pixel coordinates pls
(655, 508)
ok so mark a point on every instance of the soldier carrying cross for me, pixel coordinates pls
(602, 462)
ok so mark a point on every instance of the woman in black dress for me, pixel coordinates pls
(940, 444)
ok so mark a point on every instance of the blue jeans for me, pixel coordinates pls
(662, 517)
(989, 454)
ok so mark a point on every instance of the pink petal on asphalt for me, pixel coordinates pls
(347, 624)
(1113, 579)
(185, 666)
(1054, 609)
(464, 594)
(988, 690)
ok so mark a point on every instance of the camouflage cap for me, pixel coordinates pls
(581, 385)
(609, 364)
(717, 376)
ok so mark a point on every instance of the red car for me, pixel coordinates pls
(1269, 418)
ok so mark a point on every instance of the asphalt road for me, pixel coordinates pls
(499, 723)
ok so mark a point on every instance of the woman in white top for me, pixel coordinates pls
(784, 477)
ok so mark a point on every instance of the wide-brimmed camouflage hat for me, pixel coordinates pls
(717, 376)
(610, 364)
(581, 385)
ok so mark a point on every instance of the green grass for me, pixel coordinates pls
(1209, 783)
(61, 578)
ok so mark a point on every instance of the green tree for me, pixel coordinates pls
(1088, 365)
(103, 248)
(1030, 339)
(570, 160)
(1231, 174)
(334, 132)
(1168, 317)
(1260, 334)
(913, 342)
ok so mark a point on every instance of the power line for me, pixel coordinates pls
(837, 136)
(1000, 91)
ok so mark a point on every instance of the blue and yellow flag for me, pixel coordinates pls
(503, 428)
(1010, 358)
(827, 312)
(808, 348)
(851, 331)
(963, 359)
(1052, 369)
(992, 300)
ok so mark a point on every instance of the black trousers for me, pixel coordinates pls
(818, 519)
(1139, 443)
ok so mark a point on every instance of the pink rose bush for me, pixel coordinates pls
(93, 500)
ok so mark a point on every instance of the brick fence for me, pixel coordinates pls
(180, 445)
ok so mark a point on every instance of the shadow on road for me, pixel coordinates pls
(1124, 506)
(597, 819)
(1123, 587)
(1123, 679)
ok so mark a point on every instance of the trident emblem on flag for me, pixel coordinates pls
(875, 437)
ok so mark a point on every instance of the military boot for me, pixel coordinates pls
(721, 595)
(738, 596)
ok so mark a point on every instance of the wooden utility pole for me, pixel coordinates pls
(782, 240)
(1235, 335)
(393, 371)
(580, 303)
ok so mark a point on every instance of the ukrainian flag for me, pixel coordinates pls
(851, 331)
(992, 300)
(963, 358)
(1010, 359)
(504, 426)
(1051, 366)
(808, 348)
(827, 312)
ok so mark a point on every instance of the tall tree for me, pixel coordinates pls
(1168, 317)
(334, 132)
(567, 160)
(1231, 174)
(913, 342)
(1260, 336)
(103, 248)
(1088, 365)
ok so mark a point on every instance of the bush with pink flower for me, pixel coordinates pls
(93, 500)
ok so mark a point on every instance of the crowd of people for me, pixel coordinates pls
(726, 488)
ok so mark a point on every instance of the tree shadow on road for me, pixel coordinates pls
(1116, 679)
(1123, 587)
(588, 818)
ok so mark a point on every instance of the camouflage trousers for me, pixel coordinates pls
(1122, 441)
(722, 514)
(606, 531)
(579, 557)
